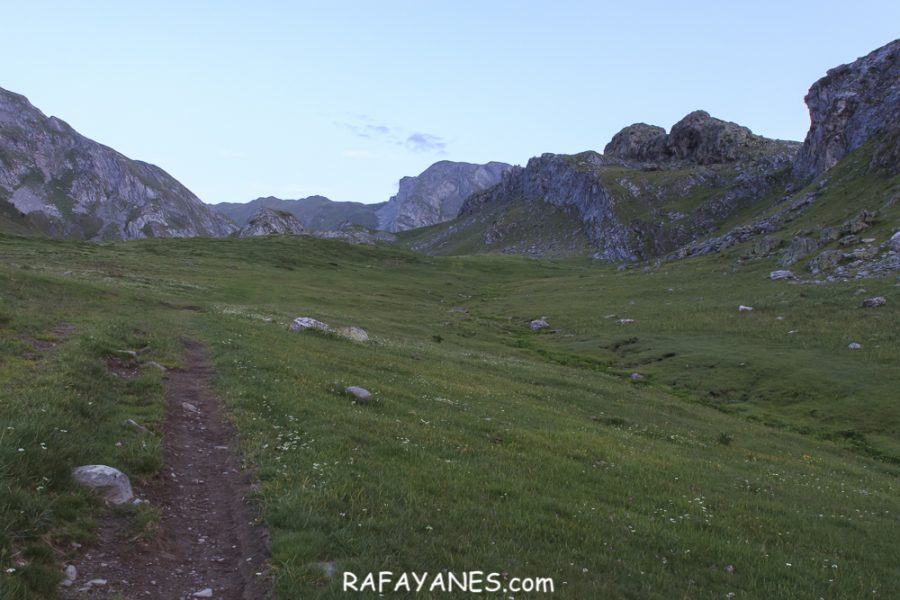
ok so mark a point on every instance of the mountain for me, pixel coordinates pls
(649, 194)
(849, 106)
(271, 222)
(828, 209)
(55, 181)
(318, 213)
(434, 196)
(840, 217)
(437, 194)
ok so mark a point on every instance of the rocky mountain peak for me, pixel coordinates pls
(849, 106)
(437, 194)
(268, 221)
(637, 142)
(56, 181)
(698, 139)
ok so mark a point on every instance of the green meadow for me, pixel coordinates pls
(756, 457)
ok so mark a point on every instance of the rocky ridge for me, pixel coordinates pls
(437, 194)
(651, 192)
(55, 180)
(697, 139)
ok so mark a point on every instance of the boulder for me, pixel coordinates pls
(860, 222)
(357, 334)
(776, 275)
(743, 308)
(824, 261)
(113, 483)
(854, 346)
(800, 247)
(359, 394)
(767, 245)
(539, 324)
(894, 242)
(304, 323)
(874, 302)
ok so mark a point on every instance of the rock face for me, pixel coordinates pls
(64, 184)
(849, 106)
(437, 194)
(697, 138)
(272, 222)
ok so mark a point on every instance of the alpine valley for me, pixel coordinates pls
(663, 370)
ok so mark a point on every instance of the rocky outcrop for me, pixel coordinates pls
(437, 194)
(638, 142)
(698, 139)
(272, 222)
(849, 106)
(625, 199)
(554, 179)
(64, 184)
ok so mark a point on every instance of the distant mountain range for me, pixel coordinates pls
(703, 186)
(432, 197)
(317, 213)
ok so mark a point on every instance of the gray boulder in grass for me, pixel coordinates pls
(361, 395)
(304, 323)
(357, 334)
(539, 324)
(113, 483)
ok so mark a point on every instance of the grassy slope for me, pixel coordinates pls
(489, 447)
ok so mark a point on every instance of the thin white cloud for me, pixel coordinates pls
(365, 127)
(426, 142)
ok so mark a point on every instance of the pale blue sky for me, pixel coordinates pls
(239, 99)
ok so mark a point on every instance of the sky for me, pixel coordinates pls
(239, 100)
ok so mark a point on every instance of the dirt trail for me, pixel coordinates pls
(208, 536)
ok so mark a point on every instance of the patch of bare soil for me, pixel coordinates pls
(55, 335)
(123, 367)
(209, 540)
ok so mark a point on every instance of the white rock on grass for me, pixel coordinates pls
(357, 334)
(304, 323)
(112, 482)
(854, 346)
(71, 574)
(743, 308)
(539, 324)
(359, 394)
(776, 275)
(874, 302)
